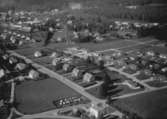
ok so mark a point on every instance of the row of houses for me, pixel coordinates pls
(148, 63)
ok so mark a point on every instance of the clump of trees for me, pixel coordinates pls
(107, 88)
(142, 13)
(158, 32)
(134, 2)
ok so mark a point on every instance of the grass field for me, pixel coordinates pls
(37, 96)
(89, 46)
(149, 105)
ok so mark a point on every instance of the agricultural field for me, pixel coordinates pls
(150, 105)
(37, 96)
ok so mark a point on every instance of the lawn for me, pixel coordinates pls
(149, 105)
(37, 96)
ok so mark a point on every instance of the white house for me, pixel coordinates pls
(37, 54)
(88, 77)
(20, 66)
(2, 73)
(12, 60)
(97, 110)
(33, 75)
(76, 73)
(67, 67)
(56, 61)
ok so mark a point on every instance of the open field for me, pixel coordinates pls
(89, 46)
(35, 97)
(149, 105)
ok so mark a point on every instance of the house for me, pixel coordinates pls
(67, 67)
(97, 110)
(108, 60)
(150, 53)
(88, 77)
(119, 63)
(98, 74)
(57, 63)
(13, 60)
(133, 67)
(5, 56)
(20, 66)
(37, 54)
(55, 54)
(1, 103)
(33, 75)
(98, 39)
(77, 73)
(144, 74)
(160, 78)
(2, 73)
(75, 6)
(164, 69)
(163, 56)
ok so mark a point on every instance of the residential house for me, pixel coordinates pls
(98, 110)
(2, 73)
(20, 66)
(37, 54)
(33, 75)
(67, 67)
(77, 73)
(88, 77)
